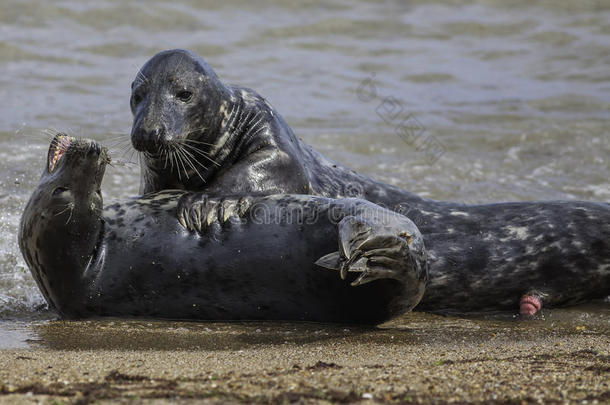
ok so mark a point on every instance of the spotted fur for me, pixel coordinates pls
(483, 257)
(254, 260)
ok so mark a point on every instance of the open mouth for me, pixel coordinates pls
(59, 146)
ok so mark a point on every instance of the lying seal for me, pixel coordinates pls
(137, 258)
(199, 134)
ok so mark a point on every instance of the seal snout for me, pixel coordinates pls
(94, 149)
(147, 140)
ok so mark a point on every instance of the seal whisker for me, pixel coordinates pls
(123, 144)
(122, 163)
(69, 206)
(169, 157)
(133, 152)
(51, 131)
(122, 151)
(171, 160)
(178, 162)
(166, 158)
(39, 136)
(122, 154)
(127, 149)
(175, 157)
(191, 147)
(186, 140)
(118, 135)
(189, 160)
(50, 134)
(201, 153)
(193, 157)
(142, 77)
(71, 212)
(118, 139)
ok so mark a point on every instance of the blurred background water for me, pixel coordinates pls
(516, 95)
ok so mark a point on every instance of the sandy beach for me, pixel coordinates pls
(418, 358)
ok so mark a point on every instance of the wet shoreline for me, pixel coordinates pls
(45, 330)
(416, 358)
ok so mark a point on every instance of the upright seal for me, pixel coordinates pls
(199, 134)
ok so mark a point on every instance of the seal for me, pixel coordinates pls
(137, 259)
(566, 263)
(198, 134)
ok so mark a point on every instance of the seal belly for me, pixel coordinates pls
(156, 268)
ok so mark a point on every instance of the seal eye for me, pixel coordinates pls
(136, 99)
(184, 95)
(59, 190)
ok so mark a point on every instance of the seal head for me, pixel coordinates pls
(62, 221)
(174, 94)
(176, 99)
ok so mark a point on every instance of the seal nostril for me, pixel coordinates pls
(147, 140)
(140, 138)
(94, 149)
(157, 134)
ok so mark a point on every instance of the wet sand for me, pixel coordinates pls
(418, 358)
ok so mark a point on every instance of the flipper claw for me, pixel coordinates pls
(381, 252)
(197, 212)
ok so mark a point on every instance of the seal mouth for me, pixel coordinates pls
(59, 146)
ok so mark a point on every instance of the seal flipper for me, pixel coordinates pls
(197, 212)
(189, 211)
(330, 261)
(380, 249)
(352, 233)
(379, 252)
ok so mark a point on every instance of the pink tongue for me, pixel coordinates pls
(61, 147)
(529, 305)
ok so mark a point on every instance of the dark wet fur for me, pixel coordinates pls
(135, 259)
(561, 249)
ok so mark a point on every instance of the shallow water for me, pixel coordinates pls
(509, 102)
(411, 329)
